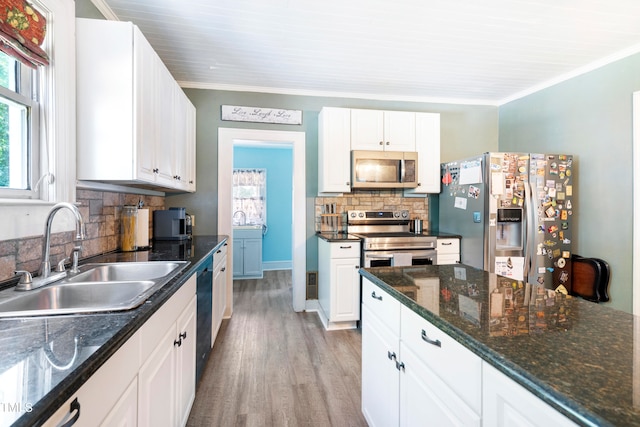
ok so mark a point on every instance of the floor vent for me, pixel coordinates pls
(312, 285)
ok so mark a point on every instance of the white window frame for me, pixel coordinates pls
(21, 217)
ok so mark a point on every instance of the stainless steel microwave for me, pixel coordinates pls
(384, 169)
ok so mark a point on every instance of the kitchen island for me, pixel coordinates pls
(575, 357)
(46, 359)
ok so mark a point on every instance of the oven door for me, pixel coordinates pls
(399, 258)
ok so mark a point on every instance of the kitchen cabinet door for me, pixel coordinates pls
(157, 384)
(507, 403)
(125, 412)
(166, 380)
(424, 396)
(427, 144)
(399, 131)
(253, 257)
(345, 295)
(165, 158)
(383, 130)
(334, 150)
(145, 63)
(367, 130)
(219, 291)
(186, 363)
(380, 379)
(247, 253)
(107, 394)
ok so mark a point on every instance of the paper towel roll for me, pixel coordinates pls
(142, 228)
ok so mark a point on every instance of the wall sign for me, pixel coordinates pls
(261, 115)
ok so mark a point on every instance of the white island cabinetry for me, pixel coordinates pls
(411, 371)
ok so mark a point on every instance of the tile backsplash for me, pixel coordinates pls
(101, 211)
(418, 207)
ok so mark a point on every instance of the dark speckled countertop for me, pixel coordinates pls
(575, 355)
(341, 236)
(35, 381)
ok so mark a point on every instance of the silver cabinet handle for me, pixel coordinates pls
(373, 295)
(446, 243)
(345, 247)
(429, 340)
(400, 366)
(391, 356)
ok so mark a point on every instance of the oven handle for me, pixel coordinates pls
(390, 256)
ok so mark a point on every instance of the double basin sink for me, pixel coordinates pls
(98, 287)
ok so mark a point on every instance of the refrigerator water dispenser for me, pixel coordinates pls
(510, 227)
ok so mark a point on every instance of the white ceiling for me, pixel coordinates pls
(458, 51)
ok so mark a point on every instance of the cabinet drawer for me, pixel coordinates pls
(219, 255)
(448, 259)
(456, 366)
(350, 249)
(383, 305)
(448, 246)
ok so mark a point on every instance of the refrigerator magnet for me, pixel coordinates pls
(561, 262)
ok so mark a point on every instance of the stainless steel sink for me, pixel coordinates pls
(97, 288)
(123, 271)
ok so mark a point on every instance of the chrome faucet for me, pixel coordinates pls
(244, 217)
(28, 283)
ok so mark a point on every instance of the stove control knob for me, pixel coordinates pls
(361, 214)
(353, 215)
(396, 214)
(405, 214)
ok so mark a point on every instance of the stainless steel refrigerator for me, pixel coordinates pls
(513, 211)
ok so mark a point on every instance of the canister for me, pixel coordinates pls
(129, 222)
(415, 226)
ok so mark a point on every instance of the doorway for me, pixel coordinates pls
(227, 137)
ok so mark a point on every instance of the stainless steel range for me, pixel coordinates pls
(387, 241)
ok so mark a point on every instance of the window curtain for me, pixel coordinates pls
(22, 32)
(249, 196)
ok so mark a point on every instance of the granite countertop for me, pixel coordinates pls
(38, 371)
(576, 355)
(341, 236)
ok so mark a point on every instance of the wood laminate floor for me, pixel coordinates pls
(271, 366)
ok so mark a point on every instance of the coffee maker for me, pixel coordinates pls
(170, 224)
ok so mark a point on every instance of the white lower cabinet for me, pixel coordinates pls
(109, 396)
(411, 377)
(219, 291)
(448, 251)
(507, 403)
(150, 380)
(166, 381)
(339, 283)
(413, 374)
(440, 380)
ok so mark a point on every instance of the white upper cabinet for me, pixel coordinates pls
(334, 150)
(383, 130)
(134, 124)
(427, 139)
(341, 130)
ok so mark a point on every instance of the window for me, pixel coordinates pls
(249, 196)
(19, 131)
(56, 142)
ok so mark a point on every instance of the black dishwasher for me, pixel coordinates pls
(203, 343)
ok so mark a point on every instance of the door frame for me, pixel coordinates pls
(295, 140)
